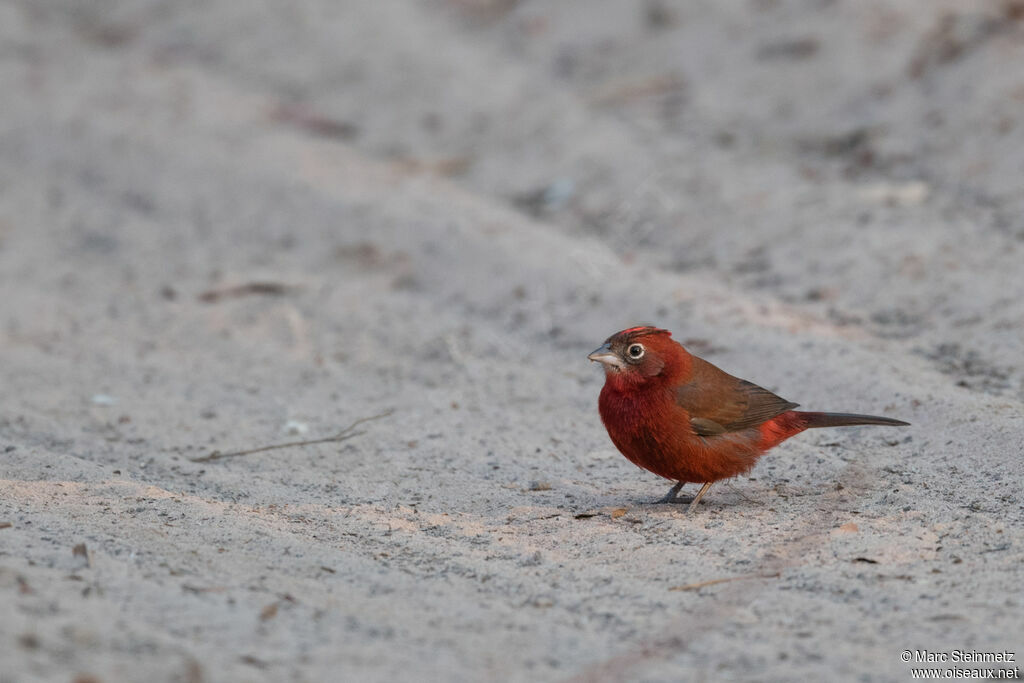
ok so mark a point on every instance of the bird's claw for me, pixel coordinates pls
(671, 496)
(685, 500)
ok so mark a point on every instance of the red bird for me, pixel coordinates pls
(682, 418)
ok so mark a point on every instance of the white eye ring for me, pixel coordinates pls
(635, 351)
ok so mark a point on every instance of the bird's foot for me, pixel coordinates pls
(671, 496)
(679, 500)
(696, 499)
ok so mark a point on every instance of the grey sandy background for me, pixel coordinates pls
(449, 204)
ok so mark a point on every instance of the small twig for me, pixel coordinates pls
(314, 122)
(265, 288)
(626, 91)
(344, 434)
(712, 582)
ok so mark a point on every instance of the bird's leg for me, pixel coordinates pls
(670, 497)
(700, 494)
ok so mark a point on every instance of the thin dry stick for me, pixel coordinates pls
(343, 435)
(712, 582)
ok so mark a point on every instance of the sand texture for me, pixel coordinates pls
(225, 225)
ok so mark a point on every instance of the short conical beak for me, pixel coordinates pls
(606, 356)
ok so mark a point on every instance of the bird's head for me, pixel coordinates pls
(640, 354)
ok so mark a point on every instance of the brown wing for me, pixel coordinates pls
(718, 402)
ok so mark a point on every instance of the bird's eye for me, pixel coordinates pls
(635, 351)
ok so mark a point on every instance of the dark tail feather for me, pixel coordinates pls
(847, 420)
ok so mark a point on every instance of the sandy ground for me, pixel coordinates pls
(448, 205)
